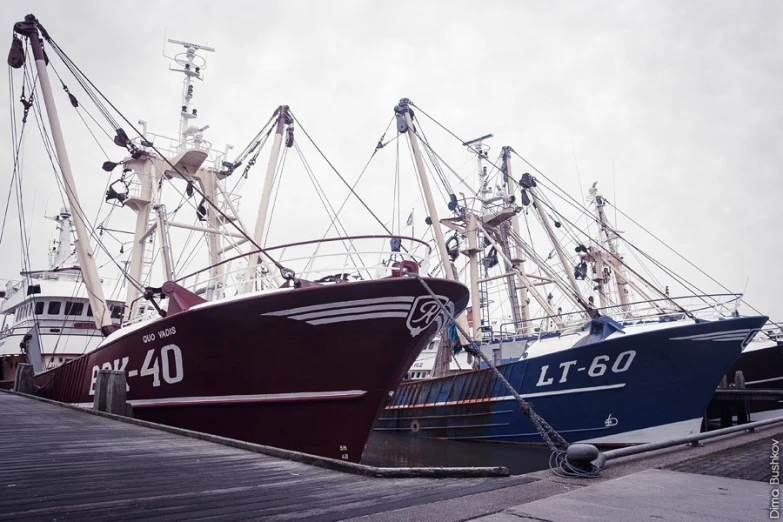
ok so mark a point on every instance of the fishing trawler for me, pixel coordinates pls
(761, 369)
(46, 317)
(253, 346)
(605, 355)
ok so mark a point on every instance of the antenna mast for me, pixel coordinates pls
(192, 66)
(61, 248)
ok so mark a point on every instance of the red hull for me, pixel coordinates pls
(307, 369)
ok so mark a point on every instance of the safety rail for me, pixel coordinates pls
(67, 274)
(640, 312)
(329, 260)
(148, 312)
(171, 147)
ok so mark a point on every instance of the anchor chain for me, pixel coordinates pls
(544, 429)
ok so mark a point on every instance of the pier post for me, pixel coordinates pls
(23, 380)
(111, 392)
(743, 417)
(725, 406)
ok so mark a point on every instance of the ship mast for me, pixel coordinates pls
(610, 243)
(517, 259)
(495, 228)
(192, 153)
(615, 260)
(283, 119)
(529, 184)
(100, 310)
(141, 204)
(405, 125)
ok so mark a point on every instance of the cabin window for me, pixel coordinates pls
(116, 311)
(54, 308)
(89, 311)
(73, 308)
(39, 307)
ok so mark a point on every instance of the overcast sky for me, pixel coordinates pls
(676, 108)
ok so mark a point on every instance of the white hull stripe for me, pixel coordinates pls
(343, 304)
(240, 399)
(361, 317)
(511, 397)
(716, 336)
(773, 379)
(658, 433)
(353, 310)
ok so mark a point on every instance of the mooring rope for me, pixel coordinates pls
(543, 428)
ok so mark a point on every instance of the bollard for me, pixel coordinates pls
(101, 383)
(581, 456)
(110, 392)
(23, 380)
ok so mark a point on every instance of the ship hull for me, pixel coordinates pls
(306, 369)
(762, 369)
(630, 389)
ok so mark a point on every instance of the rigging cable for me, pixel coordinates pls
(576, 205)
(285, 272)
(51, 153)
(350, 188)
(685, 259)
(571, 201)
(330, 212)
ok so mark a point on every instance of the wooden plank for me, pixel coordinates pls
(69, 465)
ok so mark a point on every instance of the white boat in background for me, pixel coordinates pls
(46, 317)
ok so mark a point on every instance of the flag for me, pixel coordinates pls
(410, 219)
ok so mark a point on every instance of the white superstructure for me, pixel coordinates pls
(56, 299)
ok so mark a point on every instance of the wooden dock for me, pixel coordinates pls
(60, 463)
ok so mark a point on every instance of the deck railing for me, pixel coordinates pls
(331, 260)
(704, 306)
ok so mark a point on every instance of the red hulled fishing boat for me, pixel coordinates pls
(272, 345)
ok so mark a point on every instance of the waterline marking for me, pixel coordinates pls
(774, 481)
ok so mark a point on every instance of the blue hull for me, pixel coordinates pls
(611, 388)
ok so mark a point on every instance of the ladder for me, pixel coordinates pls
(148, 257)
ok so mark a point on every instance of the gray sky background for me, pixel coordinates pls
(675, 107)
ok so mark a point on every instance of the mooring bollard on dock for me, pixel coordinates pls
(110, 392)
(23, 380)
(582, 456)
